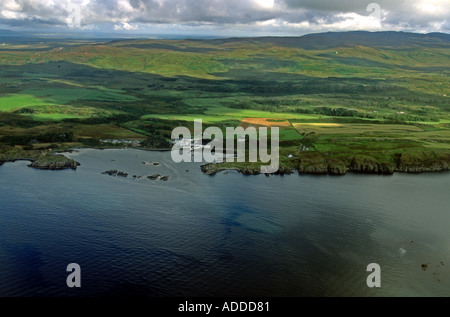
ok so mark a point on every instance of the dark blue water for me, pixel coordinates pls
(223, 235)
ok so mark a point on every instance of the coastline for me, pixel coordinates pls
(317, 165)
(52, 160)
(46, 162)
(312, 165)
(210, 169)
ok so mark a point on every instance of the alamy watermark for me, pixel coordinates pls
(74, 278)
(188, 147)
(73, 19)
(375, 11)
(374, 278)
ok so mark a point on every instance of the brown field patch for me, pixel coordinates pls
(266, 122)
(354, 128)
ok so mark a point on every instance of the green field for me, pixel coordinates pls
(12, 102)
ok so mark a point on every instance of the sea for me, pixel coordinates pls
(223, 235)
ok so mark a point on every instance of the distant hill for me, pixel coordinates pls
(341, 39)
(329, 40)
(6, 33)
(374, 39)
(13, 36)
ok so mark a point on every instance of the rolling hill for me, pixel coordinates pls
(359, 101)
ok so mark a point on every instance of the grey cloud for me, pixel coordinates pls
(326, 5)
(398, 13)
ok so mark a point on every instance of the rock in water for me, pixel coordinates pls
(151, 163)
(111, 172)
(54, 162)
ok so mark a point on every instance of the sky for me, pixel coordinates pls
(224, 18)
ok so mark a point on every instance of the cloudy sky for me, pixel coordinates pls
(224, 17)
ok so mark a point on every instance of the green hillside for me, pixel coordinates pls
(361, 101)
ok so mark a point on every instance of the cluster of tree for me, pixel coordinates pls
(90, 142)
(25, 110)
(334, 112)
(17, 120)
(115, 118)
(254, 106)
(156, 141)
(50, 137)
(342, 112)
(156, 126)
(419, 115)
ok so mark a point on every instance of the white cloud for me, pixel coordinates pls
(354, 21)
(12, 15)
(125, 26)
(11, 5)
(433, 7)
(265, 3)
(124, 6)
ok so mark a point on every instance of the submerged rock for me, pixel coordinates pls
(151, 163)
(116, 173)
(111, 172)
(158, 177)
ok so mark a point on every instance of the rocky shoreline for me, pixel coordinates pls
(125, 174)
(46, 162)
(312, 163)
(315, 164)
(403, 163)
